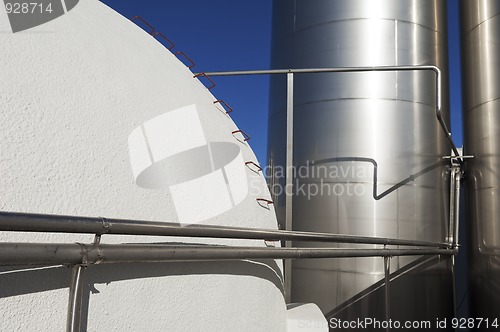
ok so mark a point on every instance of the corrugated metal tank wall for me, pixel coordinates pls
(388, 118)
(480, 22)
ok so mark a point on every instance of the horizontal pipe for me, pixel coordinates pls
(77, 253)
(324, 70)
(30, 222)
(339, 70)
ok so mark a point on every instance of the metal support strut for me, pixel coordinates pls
(387, 271)
(289, 182)
(74, 318)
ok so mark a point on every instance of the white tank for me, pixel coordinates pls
(99, 119)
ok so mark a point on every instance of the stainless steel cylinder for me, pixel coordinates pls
(480, 23)
(367, 146)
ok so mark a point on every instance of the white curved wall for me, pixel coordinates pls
(72, 92)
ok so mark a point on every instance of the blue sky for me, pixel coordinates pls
(224, 35)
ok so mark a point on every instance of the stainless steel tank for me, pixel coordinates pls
(480, 23)
(375, 123)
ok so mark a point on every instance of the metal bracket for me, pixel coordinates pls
(227, 108)
(172, 45)
(105, 225)
(258, 168)
(84, 253)
(455, 178)
(207, 77)
(246, 137)
(457, 160)
(270, 243)
(263, 201)
(143, 21)
(186, 57)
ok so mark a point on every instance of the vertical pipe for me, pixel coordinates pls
(455, 177)
(289, 179)
(73, 322)
(454, 281)
(387, 268)
(458, 178)
(451, 225)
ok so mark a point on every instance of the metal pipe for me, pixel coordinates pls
(289, 182)
(454, 283)
(387, 268)
(458, 178)
(339, 70)
(73, 322)
(30, 222)
(451, 222)
(324, 70)
(85, 254)
(455, 178)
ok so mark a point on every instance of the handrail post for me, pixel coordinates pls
(458, 178)
(455, 178)
(74, 317)
(387, 268)
(451, 221)
(289, 182)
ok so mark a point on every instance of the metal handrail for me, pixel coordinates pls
(33, 222)
(79, 254)
(88, 254)
(289, 114)
(339, 70)
(439, 116)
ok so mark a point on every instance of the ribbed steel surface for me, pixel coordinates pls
(480, 22)
(386, 117)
